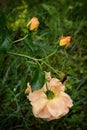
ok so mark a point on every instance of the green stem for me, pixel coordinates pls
(59, 72)
(26, 56)
(50, 55)
(21, 39)
(36, 60)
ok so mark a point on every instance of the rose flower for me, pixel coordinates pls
(65, 41)
(33, 24)
(50, 102)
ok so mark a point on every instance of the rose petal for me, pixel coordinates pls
(44, 113)
(57, 107)
(28, 89)
(38, 106)
(54, 82)
(48, 76)
(36, 95)
(67, 99)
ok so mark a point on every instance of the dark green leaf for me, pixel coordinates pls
(5, 35)
(38, 79)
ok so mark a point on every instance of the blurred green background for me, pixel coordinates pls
(57, 18)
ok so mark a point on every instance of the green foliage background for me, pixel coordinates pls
(57, 18)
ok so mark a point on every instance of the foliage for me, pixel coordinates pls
(26, 59)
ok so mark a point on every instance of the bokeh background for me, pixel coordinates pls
(57, 18)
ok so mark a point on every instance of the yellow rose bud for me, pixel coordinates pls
(33, 24)
(65, 41)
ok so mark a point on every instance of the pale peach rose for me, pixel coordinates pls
(65, 41)
(52, 102)
(33, 24)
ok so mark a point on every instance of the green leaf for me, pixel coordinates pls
(5, 35)
(49, 8)
(38, 79)
(6, 44)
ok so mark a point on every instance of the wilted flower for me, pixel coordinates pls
(65, 41)
(28, 89)
(33, 24)
(50, 102)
